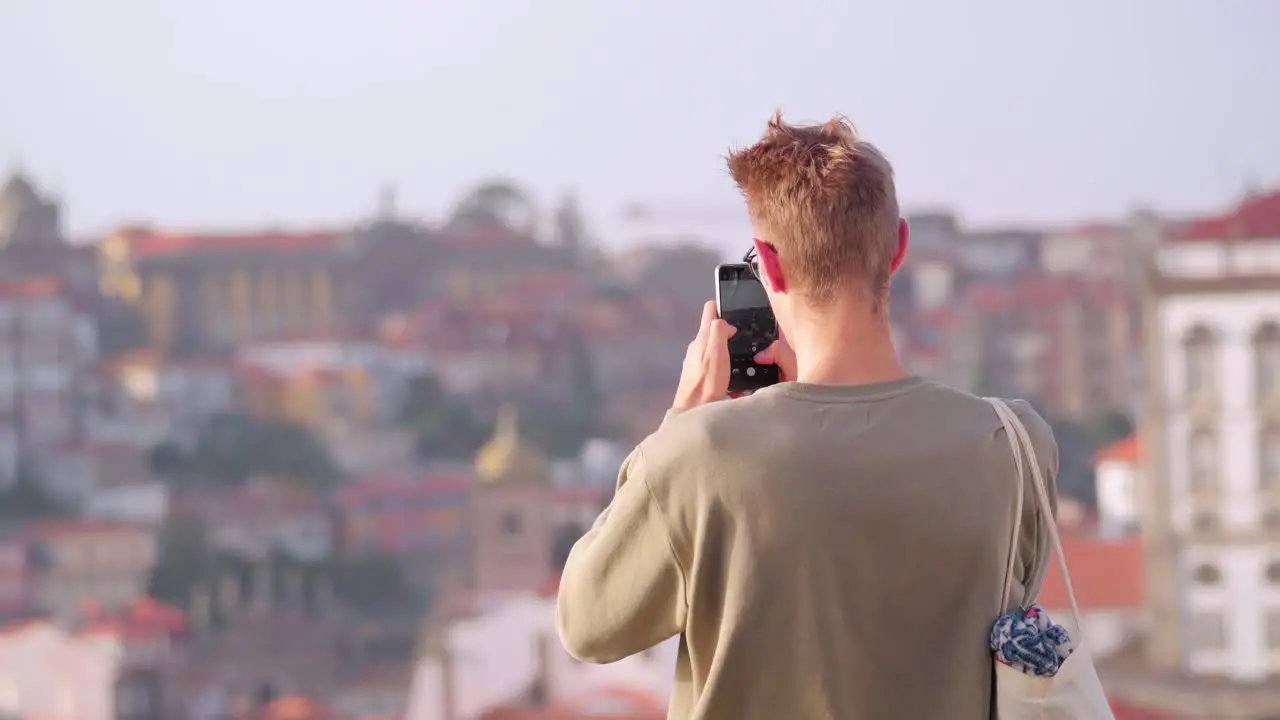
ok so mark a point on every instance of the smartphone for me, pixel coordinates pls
(741, 301)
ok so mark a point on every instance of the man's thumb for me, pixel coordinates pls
(769, 355)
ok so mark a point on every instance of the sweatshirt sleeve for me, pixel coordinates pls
(623, 589)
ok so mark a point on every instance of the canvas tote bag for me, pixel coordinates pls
(1075, 692)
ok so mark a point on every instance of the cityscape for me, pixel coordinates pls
(331, 472)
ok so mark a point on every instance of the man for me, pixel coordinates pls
(833, 546)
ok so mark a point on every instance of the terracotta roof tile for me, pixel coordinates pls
(26, 288)
(1127, 450)
(1257, 217)
(156, 243)
(1106, 575)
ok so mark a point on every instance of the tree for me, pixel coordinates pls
(234, 447)
(1111, 427)
(565, 537)
(1076, 447)
(186, 559)
(27, 499)
(423, 395)
(447, 428)
(372, 583)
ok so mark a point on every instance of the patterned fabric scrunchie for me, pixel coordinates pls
(1029, 641)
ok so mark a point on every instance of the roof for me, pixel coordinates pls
(62, 528)
(403, 486)
(1106, 574)
(507, 452)
(1124, 711)
(145, 244)
(1127, 450)
(30, 288)
(1257, 217)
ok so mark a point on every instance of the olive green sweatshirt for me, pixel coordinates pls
(823, 552)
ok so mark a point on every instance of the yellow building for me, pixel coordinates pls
(214, 292)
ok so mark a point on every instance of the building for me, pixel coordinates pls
(77, 562)
(48, 350)
(1109, 581)
(1210, 441)
(1065, 342)
(147, 397)
(260, 518)
(14, 573)
(211, 292)
(508, 660)
(102, 668)
(1118, 477)
(32, 243)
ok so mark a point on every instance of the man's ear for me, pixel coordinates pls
(770, 268)
(904, 238)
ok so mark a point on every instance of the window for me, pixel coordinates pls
(1199, 353)
(1271, 520)
(512, 525)
(1203, 461)
(1207, 574)
(1209, 631)
(1269, 458)
(1205, 522)
(1273, 629)
(1266, 353)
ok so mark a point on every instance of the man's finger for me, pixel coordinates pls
(704, 327)
(769, 355)
(718, 337)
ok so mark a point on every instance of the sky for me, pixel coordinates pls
(246, 113)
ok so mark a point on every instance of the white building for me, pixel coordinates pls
(1211, 444)
(48, 347)
(492, 659)
(1117, 477)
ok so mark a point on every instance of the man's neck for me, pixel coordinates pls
(858, 351)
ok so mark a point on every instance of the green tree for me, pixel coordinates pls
(186, 559)
(447, 428)
(565, 537)
(234, 447)
(1076, 447)
(27, 499)
(1111, 427)
(372, 583)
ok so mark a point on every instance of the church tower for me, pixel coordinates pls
(511, 513)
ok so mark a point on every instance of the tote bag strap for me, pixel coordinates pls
(1020, 441)
(1012, 562)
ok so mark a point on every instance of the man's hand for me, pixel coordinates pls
(705, 376)
(779, 353)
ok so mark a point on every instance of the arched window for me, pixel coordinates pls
(1198, 351)
(1203, 461)
(1266, 360)
(1269, 457)
(1207, 574)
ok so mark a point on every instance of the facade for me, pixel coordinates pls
(75, 563)
(1063, 341)
(14, 574)
(208, 293)
(48, 351)
(31, 240)
(510, 656)
(1211, 451)
(147, 397)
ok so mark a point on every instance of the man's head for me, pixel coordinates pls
(824, 212)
